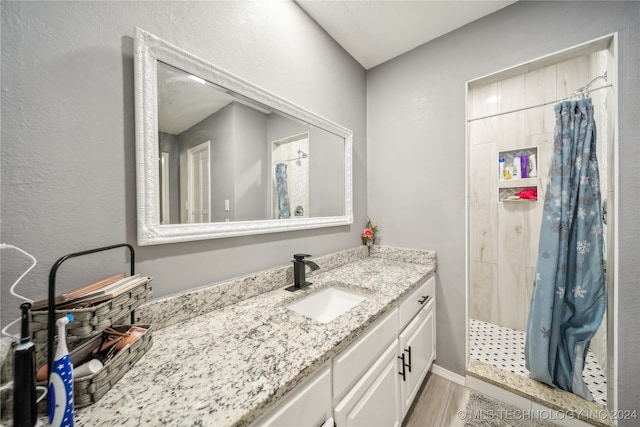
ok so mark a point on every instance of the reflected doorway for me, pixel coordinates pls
(290, 177)
(165, 211)
(199, 181)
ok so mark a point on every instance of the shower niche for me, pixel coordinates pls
(518, 175)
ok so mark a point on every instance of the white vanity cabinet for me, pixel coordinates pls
(416, 341)
(308, 405)
(384, 393)
(372, 382)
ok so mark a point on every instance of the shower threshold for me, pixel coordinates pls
(497, 358)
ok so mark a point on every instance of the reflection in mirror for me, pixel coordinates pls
(218, 156)
(165, 181)
(291, 188)
(236, 160)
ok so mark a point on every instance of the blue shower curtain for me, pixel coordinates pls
(284, 210)
(569, 296)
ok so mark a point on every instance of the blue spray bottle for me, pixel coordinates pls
(61, 380)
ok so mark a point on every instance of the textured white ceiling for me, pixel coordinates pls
(375, 31)
(183, 102)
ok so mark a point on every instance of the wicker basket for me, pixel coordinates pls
(90, 321)
(88, 324)
(89, 389)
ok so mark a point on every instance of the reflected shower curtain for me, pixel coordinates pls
(569, 296)
(284, 211)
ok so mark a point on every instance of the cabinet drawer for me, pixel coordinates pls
(354, 361)
(309, 404)
(417, 300)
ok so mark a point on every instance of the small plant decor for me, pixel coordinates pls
(369, 234)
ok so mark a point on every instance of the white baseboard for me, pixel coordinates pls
(447, 374)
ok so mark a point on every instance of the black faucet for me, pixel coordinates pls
(299, 264)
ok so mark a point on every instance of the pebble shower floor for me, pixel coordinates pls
(504, 348)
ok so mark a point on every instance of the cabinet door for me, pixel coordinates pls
(373, 401)
(418, 347)
(307, 405)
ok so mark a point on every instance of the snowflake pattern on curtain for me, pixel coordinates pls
(569, 296)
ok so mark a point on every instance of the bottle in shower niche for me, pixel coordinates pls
(517, 168)
(501, 162)
(524, 166)
(533, 168)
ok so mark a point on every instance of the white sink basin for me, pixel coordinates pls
(327, 304)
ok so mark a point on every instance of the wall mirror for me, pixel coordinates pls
(218, 156)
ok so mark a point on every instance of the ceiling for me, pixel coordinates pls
(184, 99)
(374, 32)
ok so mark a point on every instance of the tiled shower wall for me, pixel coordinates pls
(504, 236)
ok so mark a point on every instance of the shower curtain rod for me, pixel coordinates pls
(289, 160)
(583, 91)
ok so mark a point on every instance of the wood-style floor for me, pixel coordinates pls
(437, 404)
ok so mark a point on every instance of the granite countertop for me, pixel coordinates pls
(229, 366)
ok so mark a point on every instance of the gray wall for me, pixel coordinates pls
(416, 150)
(68, 157)
(326, 180)
(251, 160)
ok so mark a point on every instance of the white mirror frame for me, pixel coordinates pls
(148, 50)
